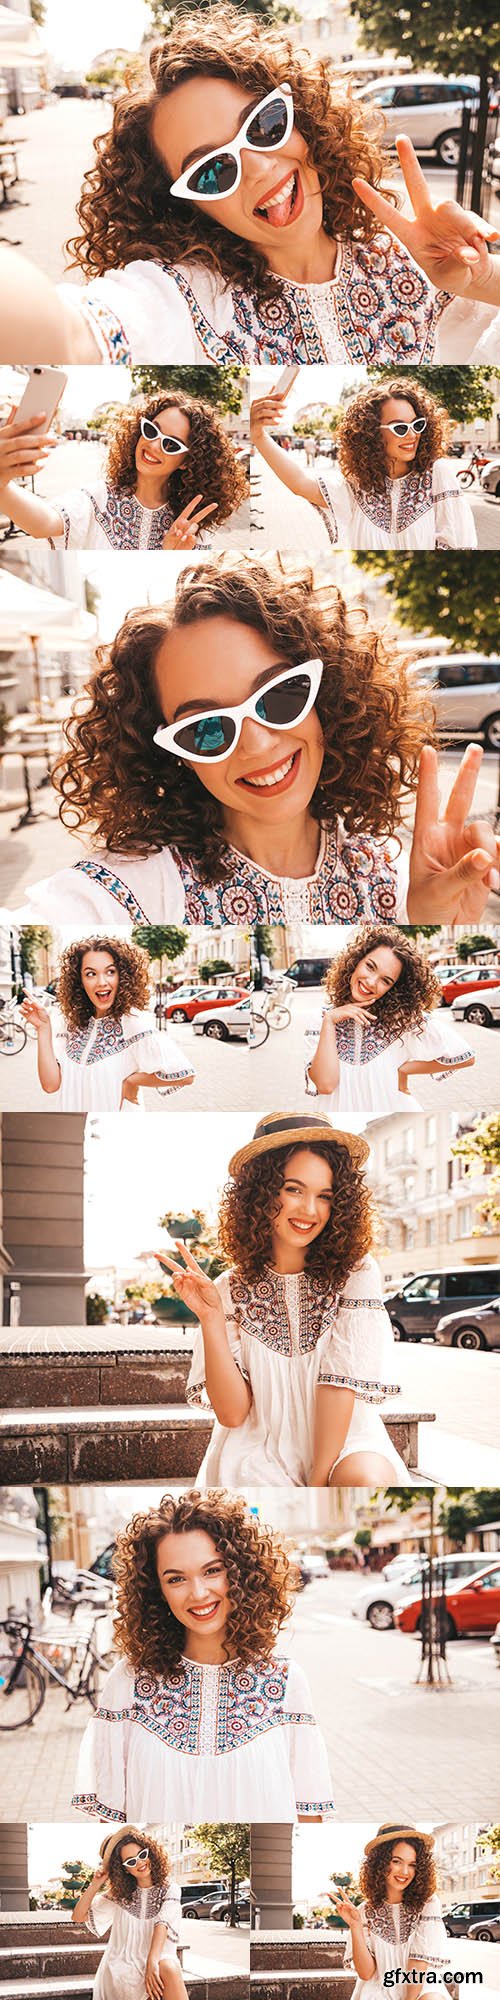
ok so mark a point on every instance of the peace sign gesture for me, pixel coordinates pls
(350, 1913)
(184, 530)
(191, 1283)
(454, 861)
(448, 242)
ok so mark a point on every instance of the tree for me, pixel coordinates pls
(466, 1510)
(423, 930)
(480, 1147)
(32, 939)
(97, 1309)
(448, 35)
(476, 941)
(465, 392)
(454, 595)
(224, 388)
(212, 968)
(160, 941)
(228, 1851)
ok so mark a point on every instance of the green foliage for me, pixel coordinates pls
(160, 940)
(97, 1309)
(212, 968)
(448, 35)
(455, 595)
(38, 12)
(423, 930)
(92, 596)
(467, 1508)
(228, 1850)
(476, 941)
(33, 938)
(480, 1147)
(465, 392)
(363, 1538)
(224, 388)
(75, 1877)
(201, 1237)
(162, 13)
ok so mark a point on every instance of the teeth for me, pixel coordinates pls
(274, 777)
(275, 199)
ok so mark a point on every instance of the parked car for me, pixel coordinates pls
(376, 1601)
(485, 1013)
(471, 1328)
(308, 971)
(415, 1310)
(468, 980)
(487, 1930)
(425, 106)
(457, 1921)
(489, 478)
(221, 1022)
(221, 1911)
(198, 1899)
(183, 1007)
(466, 693)
(472, 1608)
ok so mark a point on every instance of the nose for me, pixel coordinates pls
(258, 738)
(199, 1589)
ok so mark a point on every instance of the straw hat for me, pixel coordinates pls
(112, 1840)
(392, 1833)
(274, 1130)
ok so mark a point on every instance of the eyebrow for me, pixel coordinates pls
(294, 1178)
(173, 1569)
(207, 707)
(199, 151)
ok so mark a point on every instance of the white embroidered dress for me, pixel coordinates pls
(131, 1927)
(396, 1936)
(378, 307)
(354, 877)
(420, 511)
(95, 1060)
(101, 517)
(220, 1743)
(289, 1335)
(369, 1063)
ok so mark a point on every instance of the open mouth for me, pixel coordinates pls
(275, 779)
(204, 1611)
(303, 1228)
(149, 458)
(105, 994)
(365, 992)
(284, 204)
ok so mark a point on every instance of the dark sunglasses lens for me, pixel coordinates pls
(269, 125)
(209, 736)
(400, 430)
(148, 429)
(171, 446)
(419, 424)
(284, 702)
(215, 176)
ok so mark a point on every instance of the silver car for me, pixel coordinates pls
(478, 1327)
(489, 478)
(425, 106)
(466, 692)
(483, 1008)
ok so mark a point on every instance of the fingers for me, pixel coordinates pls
(190, 1260)
(176, 1269)
(480, 839)
(427, 799)
(474, 867)
(28, 424)
(463, 788)
(399, 225)
(414, 179)
(188, 512)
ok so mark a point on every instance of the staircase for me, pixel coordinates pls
(299, 1965)
(44, 1955)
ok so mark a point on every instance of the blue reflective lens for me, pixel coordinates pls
(209, 736)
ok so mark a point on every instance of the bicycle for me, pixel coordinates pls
(13, 1036)
(274, 1010)
(25, 1671)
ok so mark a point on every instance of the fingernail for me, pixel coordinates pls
(494, 880)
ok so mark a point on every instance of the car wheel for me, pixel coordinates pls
(497, 490)
(217, 1031)
(484, 1937)
(399, 1331)
(492, 732)
(380, 1615)
(469, 1336)
(479, 1013)
(448, 149)
(178, 1014)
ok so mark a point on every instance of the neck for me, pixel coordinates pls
(397, 467)
(288, 850)
(208, 1649)
(151, 492)
(288, 1258)
(145, 1881)
(395, 1895)
(310, 264)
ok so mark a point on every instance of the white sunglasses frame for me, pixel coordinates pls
(180, 188)
(396, 427)
(132, 1859)
(164, 434)
(165, 736)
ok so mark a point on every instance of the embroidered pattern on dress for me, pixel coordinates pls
(99, 872)
(109, 1041)
(369, 1392)
(113, 333)
(216, 1711)
(123, 521)
(363, 1048)
(379, 308)
(89, 1802)
(262, 1310)
(309, 1807)
(352, 881)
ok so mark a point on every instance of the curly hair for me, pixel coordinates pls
(121, 1883)
(261, 1581)
(117, 781)
(360, 450)
(210, 467)
(416, 991)
(374, 1869)
(125, 211)
(250, 1203)
(132, 965)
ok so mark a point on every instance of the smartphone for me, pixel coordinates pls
(285, 380)
(42, 392)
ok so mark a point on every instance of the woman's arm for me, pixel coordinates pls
(351, 1914)
(35, 321)
(324, 1070)
(28, 511)
(268, 410)
(229, 1394)
(81, 1909)
(332, 1415)
(49, 1070)
(151, 1080)
(435, 1068)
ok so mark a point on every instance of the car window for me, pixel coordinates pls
(385, 96)
(422, 1288)
(491, 1582)
(469, 1284)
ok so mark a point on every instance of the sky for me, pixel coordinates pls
(74, 35)
(49, 1846)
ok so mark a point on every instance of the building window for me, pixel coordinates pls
(430, 1180)
(430, 1131)
(465, 1219)
(409, 1142)
(431, 1230)
(450, 1228)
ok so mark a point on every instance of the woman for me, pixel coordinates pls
(103, 1049)
(295, 1347)
(399, 1925)
(133, 1896)
(243, 757)
(393, 486)
(229, 217)
(203, 1719)
(380, 1026)
(169, 467)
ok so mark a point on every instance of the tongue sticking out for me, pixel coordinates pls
(279, 209)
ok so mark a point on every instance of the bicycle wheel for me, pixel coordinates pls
(258, 1030)
(280, 1017)
(20, 1703)
(13, 1038)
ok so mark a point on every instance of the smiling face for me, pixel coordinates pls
(375, 975)
(305, 1198)
(401, 1869)
(272, 773)
(398, 410)
(193, 1581)
(100, 980)
(151, 461)
(140, 1871)
(204, 114)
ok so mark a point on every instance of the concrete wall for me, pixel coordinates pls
(14, 1867)
(42, 1165)
(271, 1875)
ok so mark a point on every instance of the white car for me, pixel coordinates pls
(219, 1023)
(377, 1599)
(489, 478)
(426, 107)
(465, 689)
(483, 1008)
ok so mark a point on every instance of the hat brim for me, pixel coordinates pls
(304, 1133)
(111, 1840)
(394, 1833)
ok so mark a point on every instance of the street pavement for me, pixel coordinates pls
(282, 520)
(394, 1747)
(55, 150)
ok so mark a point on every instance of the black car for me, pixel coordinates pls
(457, 1921)
(308, 971)
(420, 1302)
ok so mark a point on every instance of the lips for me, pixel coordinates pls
(204, 1611)
(284, 202)
(275, 778)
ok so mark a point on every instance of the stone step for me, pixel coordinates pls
(48, 1961)
(302, 1985)
(81, 1446)
(85, 1367)
(64, 1988)
(306, 1950)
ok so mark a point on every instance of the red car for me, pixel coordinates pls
(469, 981)
(472, 1607)
(181, 1009)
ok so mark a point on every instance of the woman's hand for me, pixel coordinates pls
(350, 1012)
(183, 532)
(21, 452)
(192, 1285)
(454, 862)
(403, 1084)
(130, 1090)
(99, 1877)
(152, 1980)
(265, 413)
(38, 1016)
(449, 243)
(349, 1912)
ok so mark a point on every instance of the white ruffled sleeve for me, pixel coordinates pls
(155, 1051)
(311, 1039)
(455, 524)
(101, 1778)
(428, 1940)
(357, 1347)
(104, 886)
(462, 325)
(437, 1041)
(308, 1755)
(136, 315)
(170, 1912)
(101, 1913)
(337, 513)
(196, 1388)
(75, 509)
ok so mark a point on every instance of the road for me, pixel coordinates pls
(281, 520)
